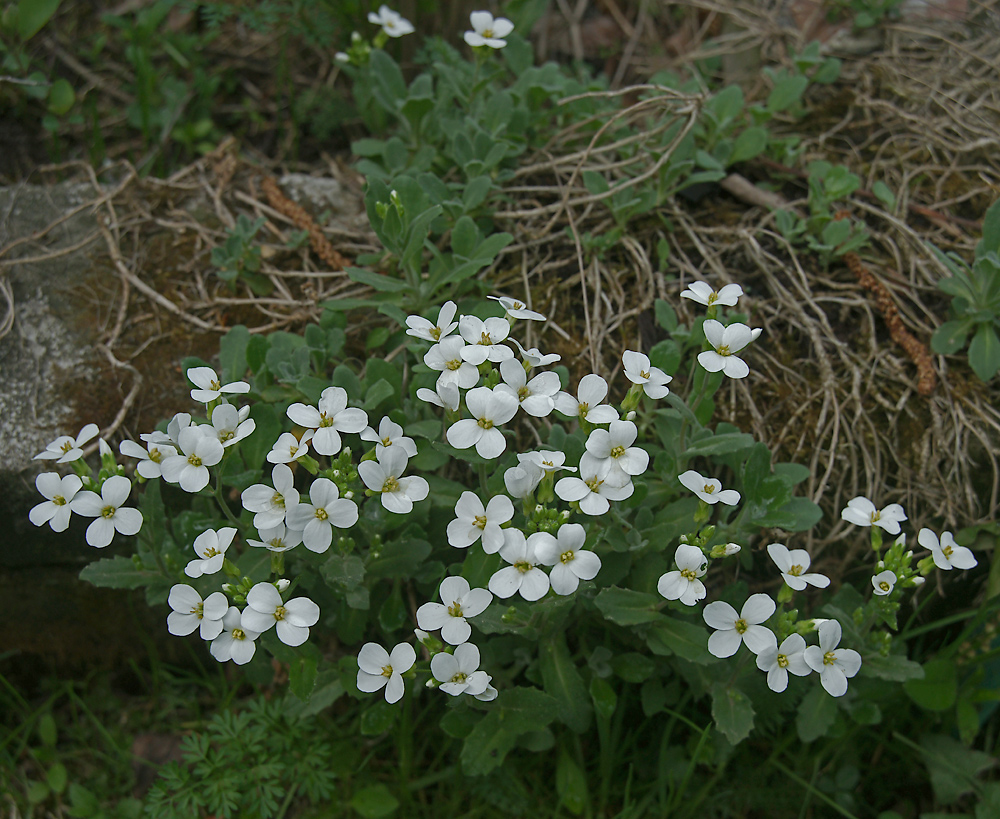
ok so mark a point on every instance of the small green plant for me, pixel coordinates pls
(239, 257)
(865, 13)
(250, 764)
(975, 304)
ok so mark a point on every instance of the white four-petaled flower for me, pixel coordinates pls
(523, 575)
(726, 342)
(708, 489)
(745, 627)
(458, 601)
(535, 397)
(517, 309)
(317, 519)
(834, 665)
(703, 293)
(293, 618)
(488, 31)
(474, 521)
(383, 475)
(793, 563)
(377, 668)
(55, 510)
(110, 516)
(489, 409)
(594, 489)
(862, 512)
(419, 327)
(66, 448)
(610, 451)
(210, 546)
(331, 418)
(198, 451)
(883, 582)
(392, 22)
(234, 642)
(570, 562)
(271, 505)
(389, 434)
(150, 457)
(684, 584)
(780, 660)
(947, 553)
(446, 357)
(208, 386)
(483, 339)
(639, 370)
(459, 673)
(587, 405)
(190, 612)
(288, 448)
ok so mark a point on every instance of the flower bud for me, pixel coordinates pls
(282, 585)
(630, 416)
(918, 581)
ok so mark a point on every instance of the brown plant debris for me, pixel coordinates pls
(303, 221)
(918, 353)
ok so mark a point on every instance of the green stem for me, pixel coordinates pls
(222, 502)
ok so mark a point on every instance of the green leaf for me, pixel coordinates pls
(727, 443)
(984, 352)
(675, 636)
(459, 722)
(726, 105)
(895, 667)
(233, 353)
(628, 608)
(476, 191)
(392, 613)
(884, 195)
(563, 681)
(375, 801)
(47, 730)
(516, 711)
(595, 183)
(633, 667)
(571, 784)
(665, 315)
(953, 767)
(343, 571)
(399, 558)
(786, 92)
(991, 231)
(61, 97)
(302, 673)
(377, 393)
(938, 689)
(817, 713)
(378, 718)
(749, 144)
(32, 15)
(464, 237)
(732, 712)
(117, 572)
(37, 792)
(604, 697)
(385, 284)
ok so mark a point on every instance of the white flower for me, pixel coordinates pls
(419, 327)
(522, 575)
(611, 451)
(189, 468)
(733, 629)
(66, 448)
(638, 370)
(703, 293)
(277, 538)
(55, 510)
(517, 309)
(708, 489)
(778, 661)
(208, 386)
(210, 546)
(792, 563)
(383, 476)
(535, 397)
(545, 460)
(947, 554)
(150, 457)
(883, 582)
(684, 584)
(265, 609)
(458, 601)
(593, 490)
(446, 357)
(190, 612)
(234, 642)
(535, 357)
(288, 448)
(587, 405)
(565, 553)
(459, 673)
(483, 339)
(332, 418)
(445, 395)
(489, 409)
(378, 668)
(317, 519)
(522, 480)
(229, 427)
(726, 342)
(392, 22)
(488, 31)
(475, 520)
(389, 433)
(862, 512)
(271, 505)
(181, 420)
(833, 665)
(107, 508)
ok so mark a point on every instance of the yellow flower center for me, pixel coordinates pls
(643, 374)
(594, 483)
(617, 452)
(239, 634)
(688, 574)
(321, 514)
(67, 446)
(485, 339)
(567, 556)
(278, 500)
(884, 586)
(387, 671)
(59, 500)
(723, 350)
(155, 455)
(387, 441)
(741, 626)
(488, 33)
(829, 658)
(460, 677)
(708, 489)
(280, 612)
(390, 485)
(795, 570)
(276, 543)
(194, 460)
(199, 610)
(227, 435)
(782, 661)
(523, 566)
(211, 551)
(947, 551)
(455, 609)
(454, 364)
(523, 393)
(215, 385)
(325, 420)
(517, 305)
(713, 298)
(485, 423)
(436, 333)
(480, 521)
(108, 512)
